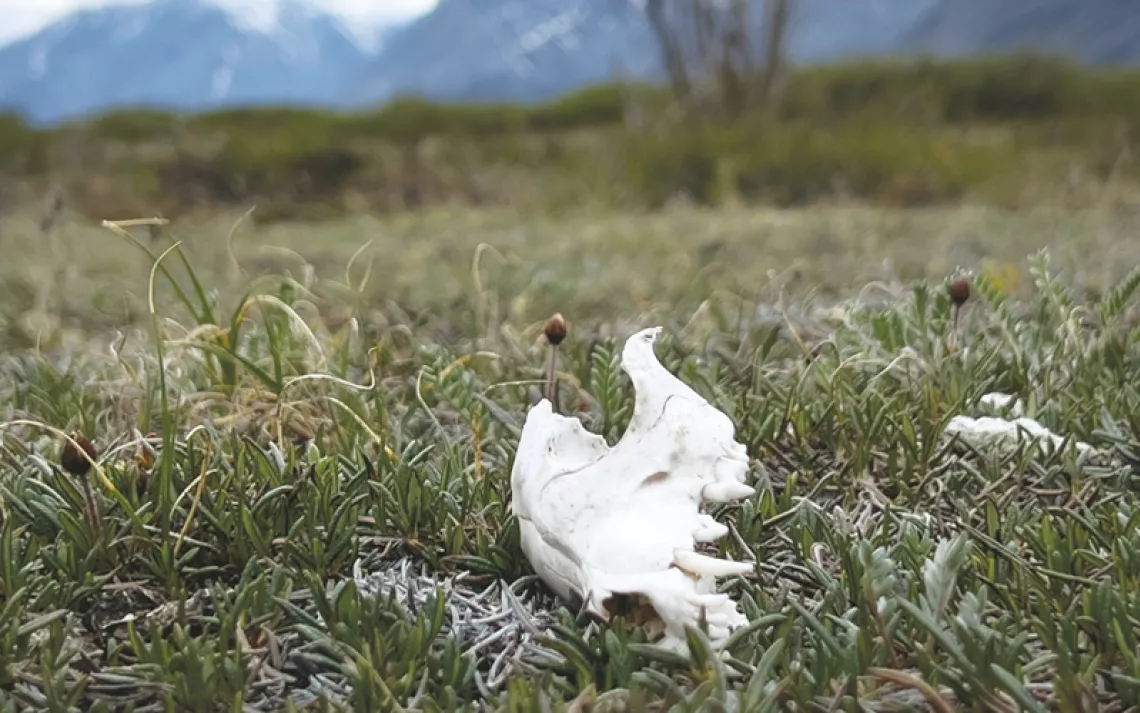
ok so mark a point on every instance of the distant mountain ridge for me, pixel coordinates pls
(548, 47)
(194, 55)
(1093, 32)
(180, 55)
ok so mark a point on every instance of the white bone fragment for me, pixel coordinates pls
(999, 401)
(990, 430)
(597, 521)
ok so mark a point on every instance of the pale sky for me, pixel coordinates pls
(21, 17)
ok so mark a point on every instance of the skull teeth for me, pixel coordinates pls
(724, 492)
(709, 530)
(708, 566)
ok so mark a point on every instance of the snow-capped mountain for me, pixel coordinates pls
(184, 55)
(204, 54)
(537, 49)
(512, 50)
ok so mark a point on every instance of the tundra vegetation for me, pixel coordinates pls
(297, 489)
(1011, 132)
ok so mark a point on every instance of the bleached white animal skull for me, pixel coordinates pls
(597, 521)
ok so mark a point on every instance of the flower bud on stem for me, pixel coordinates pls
(76, 457)
(555, 331)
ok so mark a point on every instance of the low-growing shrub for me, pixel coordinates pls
(909, 133)
(794, 163)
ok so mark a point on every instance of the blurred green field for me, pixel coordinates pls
(457, 267)
(313, 396)
(1010, 132)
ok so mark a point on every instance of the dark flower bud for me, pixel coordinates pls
(73, 460)
(960, 291)
(555, 330)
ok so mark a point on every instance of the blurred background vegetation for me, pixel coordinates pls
(1008, 132)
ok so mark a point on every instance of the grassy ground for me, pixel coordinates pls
(306, 407)
(80, 278)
